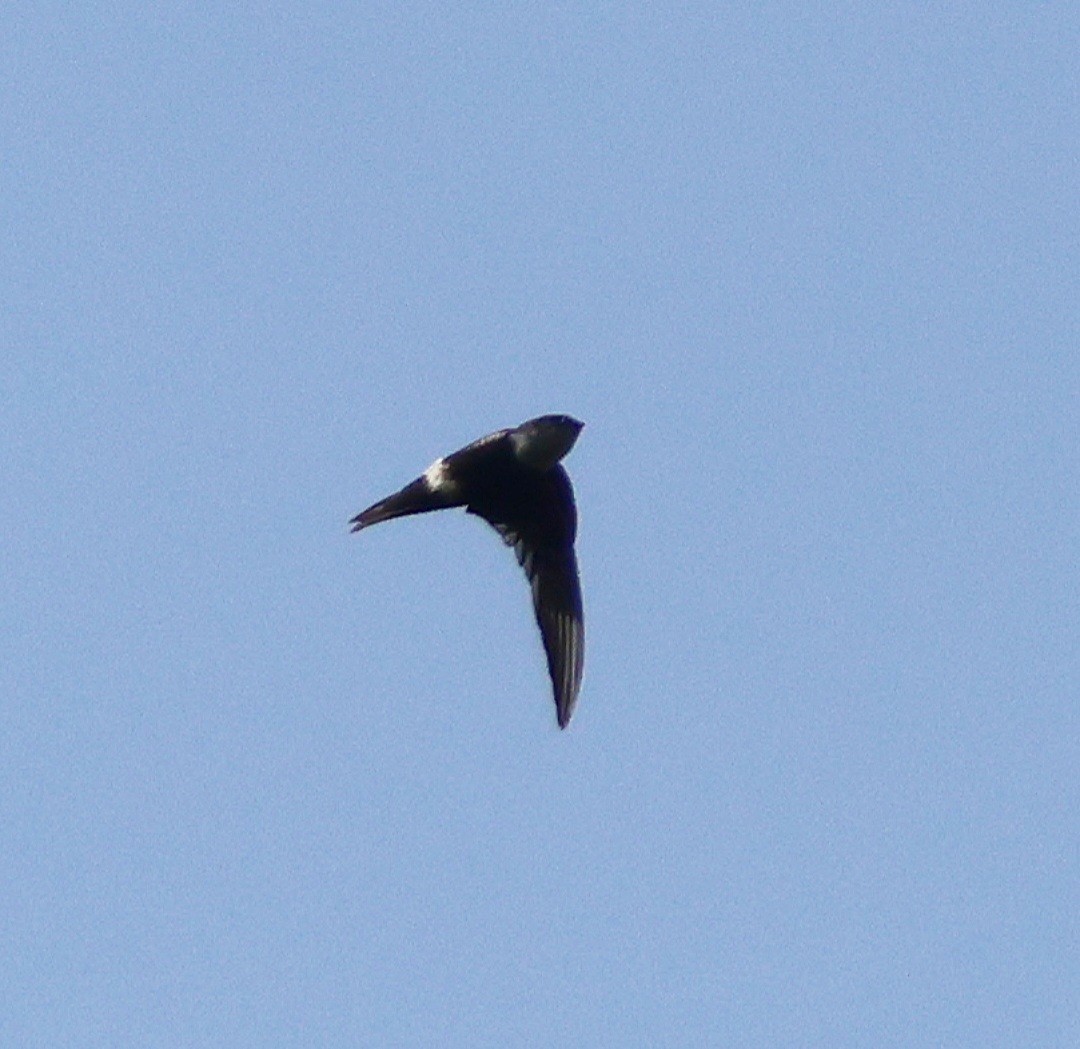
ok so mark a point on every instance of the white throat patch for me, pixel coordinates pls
(542, 446)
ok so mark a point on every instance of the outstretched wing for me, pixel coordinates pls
(557, 602)
(543, 540)
(439, 487)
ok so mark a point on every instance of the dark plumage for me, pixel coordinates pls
(513, 480)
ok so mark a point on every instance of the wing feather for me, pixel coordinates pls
(557, 603)
(541, 533)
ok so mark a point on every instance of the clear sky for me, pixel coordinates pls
(808, 272)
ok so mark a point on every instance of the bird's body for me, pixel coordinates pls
(513, 480)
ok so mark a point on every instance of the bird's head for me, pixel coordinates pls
(542, 442)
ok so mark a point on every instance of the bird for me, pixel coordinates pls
(514, 480)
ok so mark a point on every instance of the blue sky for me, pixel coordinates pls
(809, 273)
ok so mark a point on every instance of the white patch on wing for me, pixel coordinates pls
(438, 477)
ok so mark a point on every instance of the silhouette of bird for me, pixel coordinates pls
(513, 480)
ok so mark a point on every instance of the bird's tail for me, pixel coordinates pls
(415, 498)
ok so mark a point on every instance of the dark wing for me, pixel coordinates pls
(543, 540)
(417, 497)
(557, 602)
(421, 496)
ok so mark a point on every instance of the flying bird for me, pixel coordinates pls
(513, 480)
